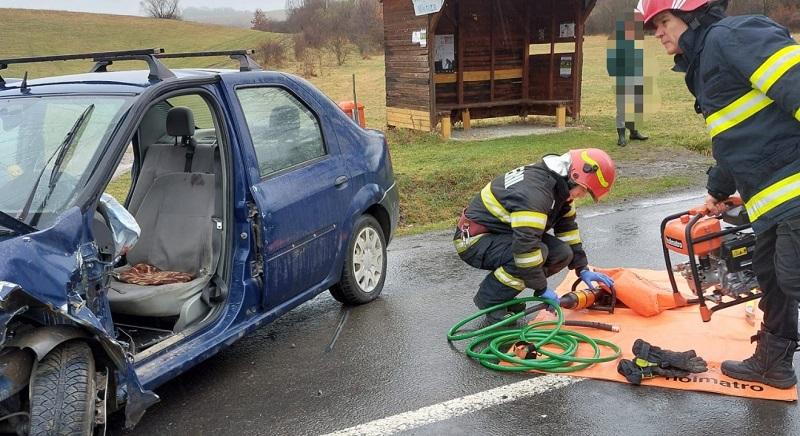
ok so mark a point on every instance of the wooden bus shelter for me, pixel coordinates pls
(483, 59)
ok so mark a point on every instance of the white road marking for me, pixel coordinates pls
(459, 406)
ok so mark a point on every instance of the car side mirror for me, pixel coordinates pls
(125, 230)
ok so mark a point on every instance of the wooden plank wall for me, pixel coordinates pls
(546, 80)
(492, 43)
(408, 73)
(485, 24)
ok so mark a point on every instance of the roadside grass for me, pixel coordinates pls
(119, 187)
(436, 178)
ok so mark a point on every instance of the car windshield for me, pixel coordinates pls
(49, 147)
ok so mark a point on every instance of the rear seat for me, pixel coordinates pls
(163, 159)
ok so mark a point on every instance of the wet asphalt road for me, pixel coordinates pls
(291, 378)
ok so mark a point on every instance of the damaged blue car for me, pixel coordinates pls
(238, 195)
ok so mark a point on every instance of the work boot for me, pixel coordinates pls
(516, 308)
(496, 316)
(621, 141)
(637, 135)
(771, 364)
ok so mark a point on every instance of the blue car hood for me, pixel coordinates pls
(45, 263)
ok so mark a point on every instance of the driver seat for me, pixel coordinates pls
(176, 216)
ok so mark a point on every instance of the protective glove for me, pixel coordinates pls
(686, 360)
(549, 294)
(635, 373)
(589, 276)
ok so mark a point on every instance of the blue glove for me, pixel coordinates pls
(550, 294)
(590, 276)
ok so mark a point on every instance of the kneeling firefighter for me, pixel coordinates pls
(504, 228)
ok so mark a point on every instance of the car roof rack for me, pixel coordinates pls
(246, 63)
(158, 71)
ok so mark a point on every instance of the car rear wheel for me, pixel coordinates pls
(62, 392)
(364, 269)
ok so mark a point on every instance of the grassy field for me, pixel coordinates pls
(436, 177)
(36, 33)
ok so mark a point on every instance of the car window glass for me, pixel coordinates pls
(37, 130)
(284, 131)
(121, 181)
(202, 113)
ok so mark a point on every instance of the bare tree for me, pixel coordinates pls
(336, 25)
(336, 21)
(271, 52)
(367, 26)
(167, 9)
(260, 21)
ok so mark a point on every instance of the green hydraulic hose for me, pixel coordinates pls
(536, 335)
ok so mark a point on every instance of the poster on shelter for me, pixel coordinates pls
(420, 37)
(445, 54)
(566, 30)
(425, 7)
(565, 69)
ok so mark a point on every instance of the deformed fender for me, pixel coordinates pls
(14, 299)
(15, 371)
(43, 339)
(19, 353)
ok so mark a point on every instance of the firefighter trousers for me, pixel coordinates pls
(491, 251)
(776, 262)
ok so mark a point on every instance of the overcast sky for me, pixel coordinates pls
(131, 7)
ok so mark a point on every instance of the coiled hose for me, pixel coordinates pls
(488, 343)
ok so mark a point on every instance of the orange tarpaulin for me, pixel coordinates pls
(726, 336)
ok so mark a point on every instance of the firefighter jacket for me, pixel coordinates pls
(527, 202)
(744, 72)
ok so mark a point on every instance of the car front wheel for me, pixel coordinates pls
(364, 269)
(62, 392)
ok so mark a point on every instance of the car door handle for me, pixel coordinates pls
(341, 180)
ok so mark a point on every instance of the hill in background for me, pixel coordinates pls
(228, 16)
(27, 32)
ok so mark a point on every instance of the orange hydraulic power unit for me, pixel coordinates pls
(720, 256)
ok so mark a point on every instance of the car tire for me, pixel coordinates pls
(364, 270)
(62, 392)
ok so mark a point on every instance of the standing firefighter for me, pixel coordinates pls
(504, 228)
(745, 75)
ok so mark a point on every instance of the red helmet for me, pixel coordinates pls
(650, 8)
(593, 169)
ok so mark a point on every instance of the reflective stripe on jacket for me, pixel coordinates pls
(527, 202)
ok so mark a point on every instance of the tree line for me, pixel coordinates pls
(786, 12)
(337, 26)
